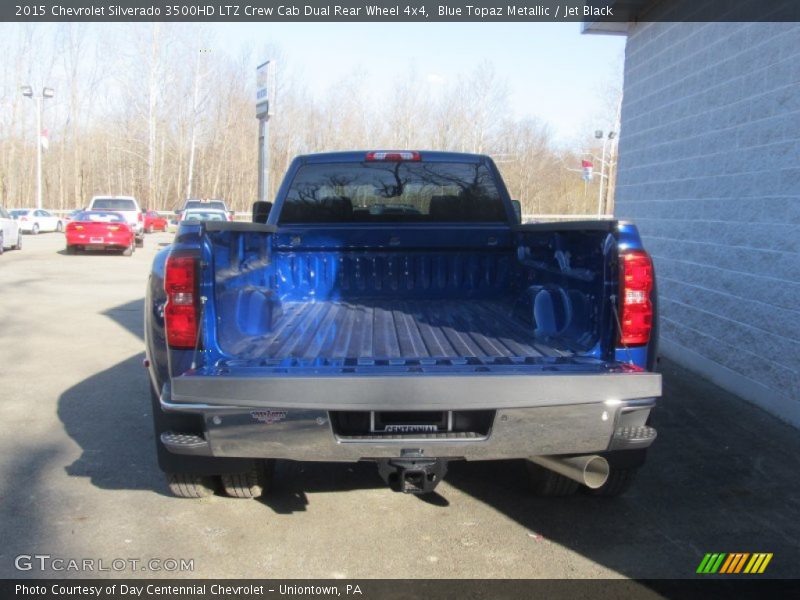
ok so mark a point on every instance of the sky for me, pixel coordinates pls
(552, 71)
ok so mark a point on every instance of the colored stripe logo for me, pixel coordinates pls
(734, 563)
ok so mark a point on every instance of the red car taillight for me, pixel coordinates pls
(180, 314)
(636, 284)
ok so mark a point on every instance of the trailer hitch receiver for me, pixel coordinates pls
(412, 475)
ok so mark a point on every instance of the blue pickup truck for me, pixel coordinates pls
(391, 307)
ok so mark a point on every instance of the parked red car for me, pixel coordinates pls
(154, 222)
(100, 230)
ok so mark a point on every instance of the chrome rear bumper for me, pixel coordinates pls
(260, 430)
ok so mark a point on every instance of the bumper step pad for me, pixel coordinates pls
(185, 443)
(633, 437)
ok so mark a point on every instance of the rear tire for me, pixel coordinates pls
(35, 229)
(18, 245)
(619, 481)
(250, 484)
(547, 483)
(2, 242)
(59, 227)
(128, 251)
(189, 485)
(72, 249)
(140, 242)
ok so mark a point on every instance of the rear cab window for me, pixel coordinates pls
(99, 217)
(210, 205)
(114, 204)
(392, 192)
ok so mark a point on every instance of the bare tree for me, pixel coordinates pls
(161, 112)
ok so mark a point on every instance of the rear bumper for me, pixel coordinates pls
(540, 415)
(105, 240)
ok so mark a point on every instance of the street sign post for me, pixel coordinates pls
(265, 89)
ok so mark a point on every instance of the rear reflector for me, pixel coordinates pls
(180, 313)
(636, 285)
(393, 156)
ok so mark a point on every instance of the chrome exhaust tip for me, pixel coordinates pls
(591, 470)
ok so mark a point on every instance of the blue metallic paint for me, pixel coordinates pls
(334, 261)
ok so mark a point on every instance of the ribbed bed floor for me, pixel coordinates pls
(386, 329)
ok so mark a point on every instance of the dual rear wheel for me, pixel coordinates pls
(249, 484)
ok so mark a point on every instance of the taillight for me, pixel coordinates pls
(180, 314)
(23, 218)
(392, 156)
(636, 284)
(75, 226)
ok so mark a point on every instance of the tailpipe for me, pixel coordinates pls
(591, 471)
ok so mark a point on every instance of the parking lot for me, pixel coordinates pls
(80, 478)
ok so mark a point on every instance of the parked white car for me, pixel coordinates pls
(10, 233)
(128, 207)
(36, 220)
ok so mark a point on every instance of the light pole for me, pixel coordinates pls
(265, 108)
(46, 93)
(598, 134)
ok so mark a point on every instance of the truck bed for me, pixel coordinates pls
(383, 328)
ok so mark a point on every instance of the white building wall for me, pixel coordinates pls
(709, 169)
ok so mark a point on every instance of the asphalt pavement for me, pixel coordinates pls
(78, 476)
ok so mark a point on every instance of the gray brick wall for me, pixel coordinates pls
(709, 169)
